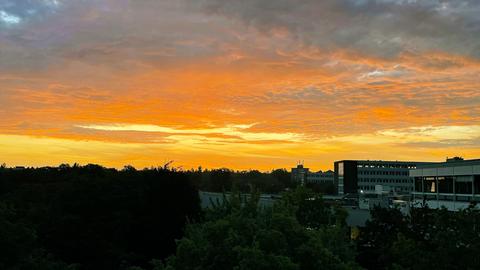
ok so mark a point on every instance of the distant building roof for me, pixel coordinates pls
(451, 163)
(386, 161)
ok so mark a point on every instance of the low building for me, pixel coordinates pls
(302, 175)
(374, 176)
(453, 184)
(320, 177)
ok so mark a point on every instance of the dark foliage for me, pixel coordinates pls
(91, 217)
(323, 188)
(222, 180)
(425, 239)
(239, 235)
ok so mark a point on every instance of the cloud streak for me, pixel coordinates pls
(235, 131)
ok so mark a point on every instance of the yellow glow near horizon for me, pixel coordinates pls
(144, 82)
(190, 151)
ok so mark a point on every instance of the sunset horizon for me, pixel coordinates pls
(241, 85)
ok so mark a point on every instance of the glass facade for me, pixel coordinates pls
(448, 184)
(418, 184)
(445, 184)
(341, 173)
(429, 185)
(452, 184)
(476, 184)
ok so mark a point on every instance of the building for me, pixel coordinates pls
(453, 184)
(302, 175)
(374, 176)
(299, 174)
(327, 177)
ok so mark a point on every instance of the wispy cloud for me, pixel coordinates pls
(236, 131)
(433, 136)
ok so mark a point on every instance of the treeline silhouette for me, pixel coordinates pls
(220, 180)
(91, 217)
(275, 181)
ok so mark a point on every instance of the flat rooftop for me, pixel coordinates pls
(453, 163)
(386, 161)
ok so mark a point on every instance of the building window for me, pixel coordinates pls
(445, 184)
(429, 185)
(418, 184)
(476, 184)
(463, 184)
(340, 169)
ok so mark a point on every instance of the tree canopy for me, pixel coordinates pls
(298, 232)
(424, 239)
(90, 217)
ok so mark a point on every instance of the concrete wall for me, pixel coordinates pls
(450, 205)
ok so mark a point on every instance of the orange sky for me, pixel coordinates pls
(258, 85)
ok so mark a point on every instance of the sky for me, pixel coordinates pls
(251, 84)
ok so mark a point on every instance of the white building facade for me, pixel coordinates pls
(454, 184)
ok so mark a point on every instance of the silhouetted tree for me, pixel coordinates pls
(91, 217)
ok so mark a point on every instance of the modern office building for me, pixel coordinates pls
(374, 176)
(453, 184)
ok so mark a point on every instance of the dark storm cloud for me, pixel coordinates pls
(37, 33)
(379, 27)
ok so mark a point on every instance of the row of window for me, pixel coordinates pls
(381, 180)
(388, 166)
(320, 176)
(448, 184)
(371, 188)
(450, 198)
(383, 173)
(320, 181)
